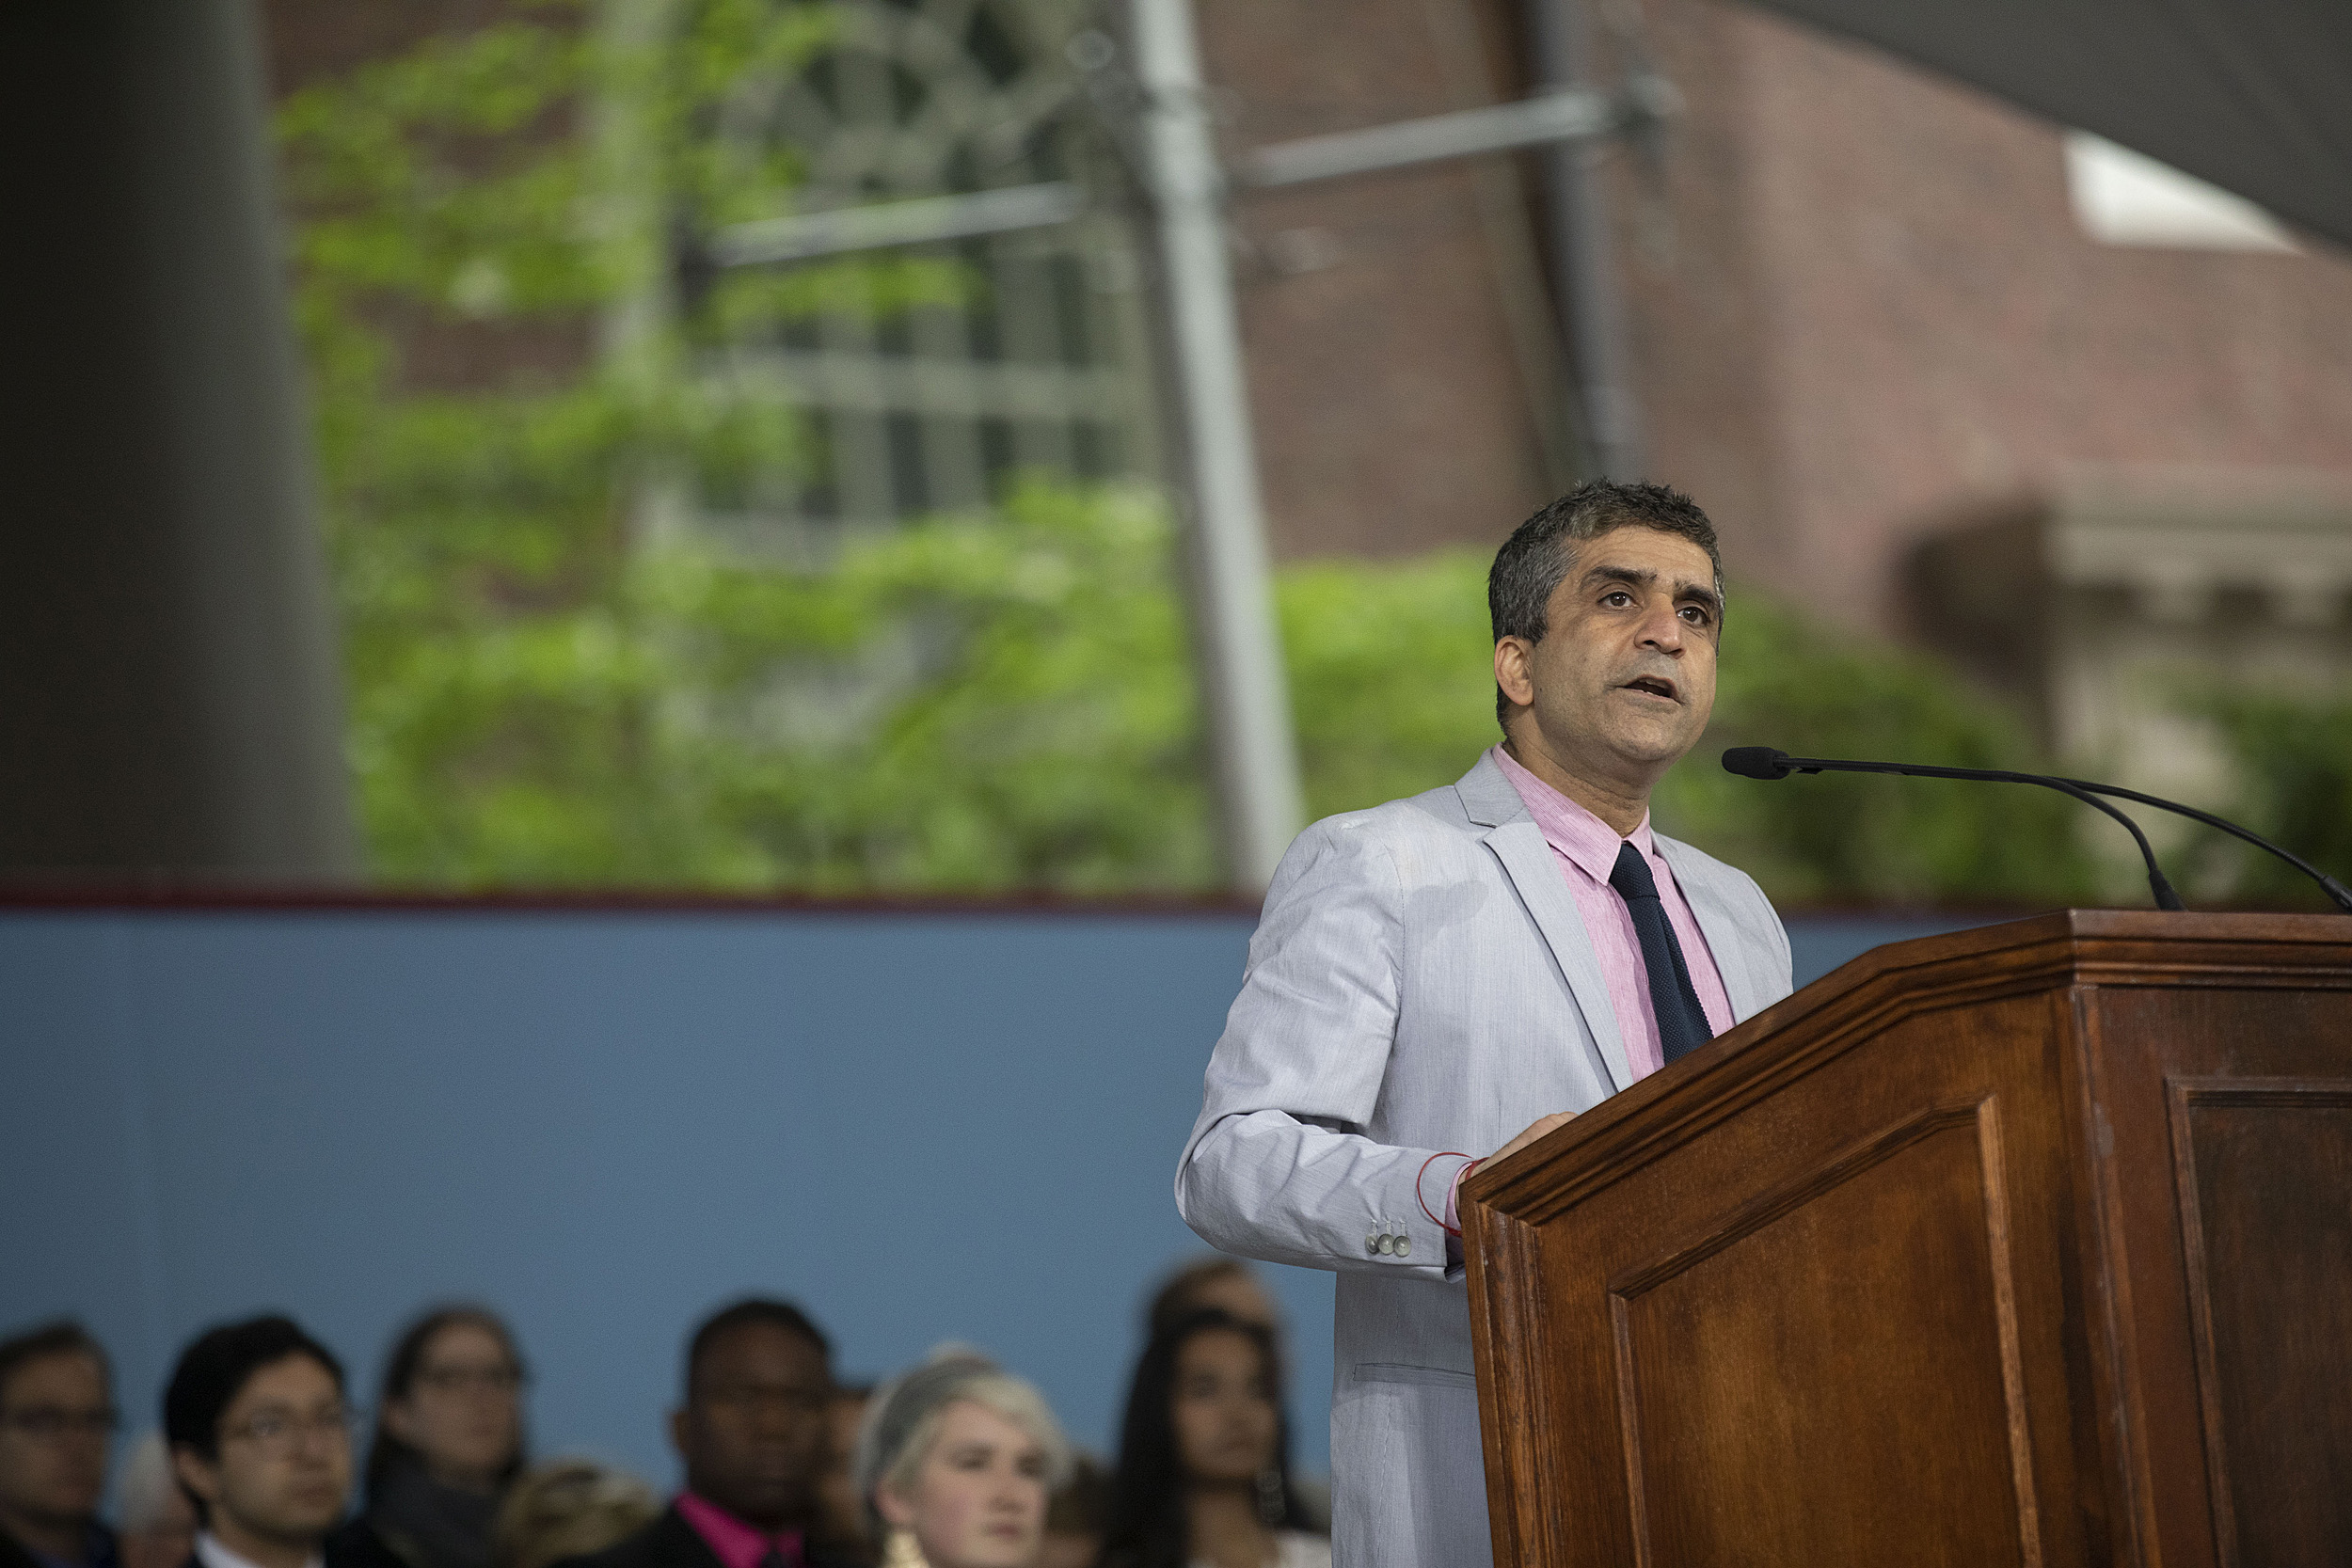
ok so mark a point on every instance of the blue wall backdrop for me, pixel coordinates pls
(922, 1126)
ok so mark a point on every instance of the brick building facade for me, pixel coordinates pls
(1860, 304)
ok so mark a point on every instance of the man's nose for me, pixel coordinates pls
(1663, 628)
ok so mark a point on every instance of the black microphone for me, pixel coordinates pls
(1766, 762)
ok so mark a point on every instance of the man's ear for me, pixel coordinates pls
(681, 1429)
(400, 1421)
(195, 1472)
(1513, 657)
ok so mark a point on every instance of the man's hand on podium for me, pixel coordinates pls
(1534, 1130)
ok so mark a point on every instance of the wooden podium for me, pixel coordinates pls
(2029, 1244)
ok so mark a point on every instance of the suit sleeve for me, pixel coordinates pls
(1781, 964)
(1277, 1166)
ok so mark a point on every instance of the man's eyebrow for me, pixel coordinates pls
(1643, 577)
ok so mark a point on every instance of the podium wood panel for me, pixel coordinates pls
(2030, 1244)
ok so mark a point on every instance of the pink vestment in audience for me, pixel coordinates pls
(735, 1543)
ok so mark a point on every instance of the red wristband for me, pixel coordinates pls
(1441, 1154)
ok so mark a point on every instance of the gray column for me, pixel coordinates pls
(1583, 250)
(169, 701)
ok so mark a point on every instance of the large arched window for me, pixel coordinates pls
(1038, 366)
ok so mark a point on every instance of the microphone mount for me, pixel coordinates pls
(1766, 762)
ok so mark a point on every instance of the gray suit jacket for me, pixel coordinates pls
(1419, 981)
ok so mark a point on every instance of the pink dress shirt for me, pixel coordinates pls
(1586, 849)
(735, 1543)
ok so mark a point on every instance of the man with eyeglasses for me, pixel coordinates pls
(56, 1414)
(753, 1432)
(261, 1440)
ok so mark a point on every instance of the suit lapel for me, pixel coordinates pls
(1519, 844)
(1524, 854)
(1719, 925)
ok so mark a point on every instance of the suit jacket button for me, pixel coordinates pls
(1372, 1241)
(1404, 1246)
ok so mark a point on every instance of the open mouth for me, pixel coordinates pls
(1656, 686)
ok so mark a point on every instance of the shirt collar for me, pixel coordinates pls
(1568, 828)
(211, 1554)
(735, 1543)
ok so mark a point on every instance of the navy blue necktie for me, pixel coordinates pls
(1681, 1021)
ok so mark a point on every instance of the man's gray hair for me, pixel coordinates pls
(903, 1420)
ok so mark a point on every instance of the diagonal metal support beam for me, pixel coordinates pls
(882, 225)
(1573, 114)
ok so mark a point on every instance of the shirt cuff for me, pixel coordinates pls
(1454, 1261)
(1452, 1196)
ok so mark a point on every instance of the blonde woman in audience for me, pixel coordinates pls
(569, 1507)
(955, 1462)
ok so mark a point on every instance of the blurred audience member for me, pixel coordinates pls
(568, 1508)
(261, 1438)
(57, 1418)
(1077, 1516)
(1227, 1283)
(448, 1442)
(753, 1434)
(154, 1522)
(1204, 1457)
(1231, 1286)
(844, 1516)
(955, 1462)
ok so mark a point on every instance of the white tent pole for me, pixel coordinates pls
(1238, 650)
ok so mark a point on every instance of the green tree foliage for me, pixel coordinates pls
(986, 702)
(518, 689)
(2292, 754)
(1392, 674)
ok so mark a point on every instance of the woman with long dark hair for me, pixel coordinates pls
(449, 1443)
(1204, 1456)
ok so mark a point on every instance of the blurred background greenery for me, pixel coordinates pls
(553, 681)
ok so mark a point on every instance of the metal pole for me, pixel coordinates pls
(1239, 654)
(1583, 257)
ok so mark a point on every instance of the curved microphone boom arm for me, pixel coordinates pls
(2329, 885)
(1766, 762)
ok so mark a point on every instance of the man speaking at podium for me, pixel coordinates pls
(1460, 973)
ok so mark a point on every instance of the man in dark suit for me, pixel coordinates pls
(753, 1432)
(56, 1411)
(261, 1440)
